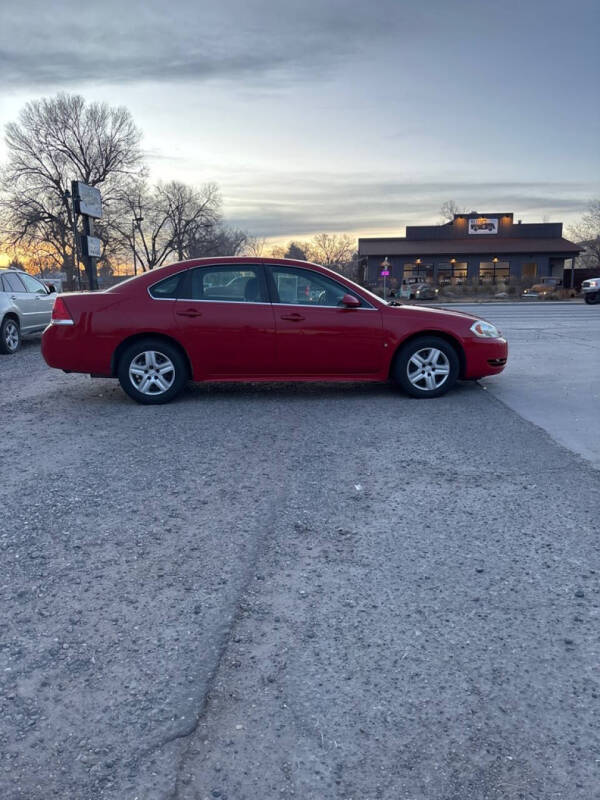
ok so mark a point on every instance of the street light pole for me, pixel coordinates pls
(134, 221)
(133, 245)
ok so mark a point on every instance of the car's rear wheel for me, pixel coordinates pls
(10, 336)
(592, 298)
(152, 371)
(427, 366)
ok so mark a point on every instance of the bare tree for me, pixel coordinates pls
(448, 210)
(333, 250)
(193, 214)
(225, 241)
(255, 246)
(587, 233)
(142, 205)
(57, 140)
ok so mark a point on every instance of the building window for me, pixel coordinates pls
(452, 273)
(418, 273)
(529, 270)
(494, 271)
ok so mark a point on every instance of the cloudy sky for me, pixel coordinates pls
(335, 115)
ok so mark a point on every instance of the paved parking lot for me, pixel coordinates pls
(300, 592)
(553, 375)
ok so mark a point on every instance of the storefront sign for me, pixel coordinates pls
(483, 225)
(87, 200)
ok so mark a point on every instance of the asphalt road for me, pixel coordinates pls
(292, 592)
(553, 374)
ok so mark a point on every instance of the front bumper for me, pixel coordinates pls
(485, 357)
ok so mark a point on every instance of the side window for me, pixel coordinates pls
(167, 289)
(12, 283)
(33, 286)
(304, 287)
(227, 284)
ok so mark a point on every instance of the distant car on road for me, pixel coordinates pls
(287, 321)
(591, 290)
(25, 307)
(423, 291)
(548, 288)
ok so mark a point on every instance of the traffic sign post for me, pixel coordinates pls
(385, 271)
(87, 202)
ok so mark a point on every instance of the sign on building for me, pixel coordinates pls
(483, 225)
(87, 199)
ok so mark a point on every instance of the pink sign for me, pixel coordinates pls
(385, 273)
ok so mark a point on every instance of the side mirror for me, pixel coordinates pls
(349, 301)
(51, 288)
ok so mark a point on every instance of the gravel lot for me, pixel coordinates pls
(292, 592)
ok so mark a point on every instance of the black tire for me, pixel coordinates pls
(405, 371)
(166, 357)
(10, 336)
(592, 298)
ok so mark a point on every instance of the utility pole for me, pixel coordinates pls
(135, 221)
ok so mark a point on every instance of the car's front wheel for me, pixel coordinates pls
(592, 298)
(427, 366)
(152, 371)
(10, 336)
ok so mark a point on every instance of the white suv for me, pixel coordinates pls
(25, 307)
(591, 290)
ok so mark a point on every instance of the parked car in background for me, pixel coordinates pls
(423, 291)
(288, 321)
(548, 288)
(591, 290)
(25, 307)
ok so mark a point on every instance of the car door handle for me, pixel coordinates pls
(189, 312)
(293, 317)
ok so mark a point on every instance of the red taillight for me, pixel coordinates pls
(60, 313)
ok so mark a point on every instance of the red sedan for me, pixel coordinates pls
(253, 319)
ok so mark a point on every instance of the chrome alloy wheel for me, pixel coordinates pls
(11, 335)
(428, 369)
(152, 372)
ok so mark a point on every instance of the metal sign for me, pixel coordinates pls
(483, 225)
(92, 246)
(87, 199)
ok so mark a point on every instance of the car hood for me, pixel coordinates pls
(434, 314)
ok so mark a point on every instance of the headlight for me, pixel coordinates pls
(592, 284)
(485, 330)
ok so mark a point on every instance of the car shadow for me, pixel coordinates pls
(31, 342)
(109, 393)
(307, 390)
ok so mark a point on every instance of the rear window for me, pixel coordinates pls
(227, 284)
(12, 283)
(167, 289)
